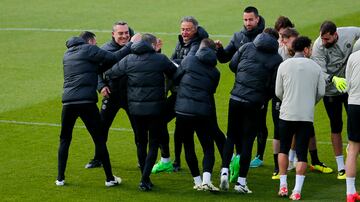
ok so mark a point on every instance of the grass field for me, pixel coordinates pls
(33, 35)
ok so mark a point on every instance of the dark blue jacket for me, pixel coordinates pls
(144, 70)
(199, 80)
(81, 68)
(239, 38)
(255, 65)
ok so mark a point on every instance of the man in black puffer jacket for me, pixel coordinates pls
(114, 91)
(189, 41)
(145, 70)
(194, 110)
(254, 24)
(81, 67)
(188, 44)
(255, 65)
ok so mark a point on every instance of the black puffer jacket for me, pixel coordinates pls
(255, 65)
(145, 70)
(117, 86)
(81, 67)
(239, 39)
(182, 49)
(199, 80)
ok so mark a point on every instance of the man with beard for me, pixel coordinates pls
(254, 24)
(254, 66)
(331, 51)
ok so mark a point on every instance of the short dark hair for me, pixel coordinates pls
(283, 22)
(86, 35)
(327, 27)
(207, 43)
(190, 19)
(149, 38)
(271, 32)
(289, 32)
(119, 23)
(300, 43)
(251, 9)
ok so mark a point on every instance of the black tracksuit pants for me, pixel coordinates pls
(185, 127)
(109, 108)
(217, 134)
(242, 129)
(89, 114)
(148, 129)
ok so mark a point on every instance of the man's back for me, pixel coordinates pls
(145, 71)
(299, 84)
(198, 83)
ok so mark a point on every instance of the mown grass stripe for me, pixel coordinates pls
(93, 30)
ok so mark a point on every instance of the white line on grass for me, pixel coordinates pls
(115, 129)
(94, 30)
(53, 125)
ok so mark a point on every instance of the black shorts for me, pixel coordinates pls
(333, 106)
(302, 131)
(353, 125)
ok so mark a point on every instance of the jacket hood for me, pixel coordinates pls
(260, 28)
(265, 42)
(200, 35)
(74, 41)
(141, 47)
(207, 56)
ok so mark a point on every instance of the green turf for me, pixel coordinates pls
(31, 87)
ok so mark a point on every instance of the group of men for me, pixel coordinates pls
(131, 73)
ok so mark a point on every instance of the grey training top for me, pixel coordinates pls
(300, 85)
(333, 60)
(353, 78)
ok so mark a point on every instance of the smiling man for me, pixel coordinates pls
(254, 24)
(114, 91)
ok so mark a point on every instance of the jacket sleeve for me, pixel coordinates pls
(349, 71)
(118, 70)
(236, 60)
(171, 68)
(101, 82)
(279, 88)
(124, 51)
(320, 87)
(217, 79)
(104, 58)
(318, 55)
(225, 54)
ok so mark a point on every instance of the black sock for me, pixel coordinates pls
(276, 164)
(314, 157)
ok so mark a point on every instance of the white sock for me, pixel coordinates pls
(292, 155)
(165, 160)
(224, 171)
(340, 162)
(350, 185)
(283, 180)
(206, 178)
(299, 183)
(242, 180)
(197, 180)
